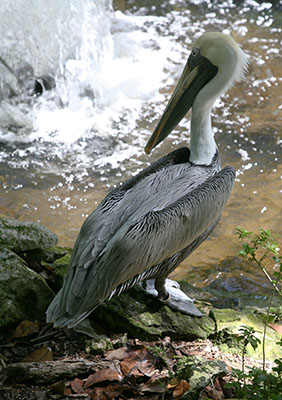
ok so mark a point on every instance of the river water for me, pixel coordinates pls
(114, 66)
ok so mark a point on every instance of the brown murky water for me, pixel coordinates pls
(247, 122)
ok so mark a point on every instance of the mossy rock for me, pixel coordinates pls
(145, 317)
(199, 372)
(24, 294)
(228, 323)
(57, 264)
(21, 236)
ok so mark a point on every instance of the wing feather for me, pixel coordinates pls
(99, 228)
(144, 241)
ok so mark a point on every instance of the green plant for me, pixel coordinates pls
(259, 384)
(247, 336)
(257, 248)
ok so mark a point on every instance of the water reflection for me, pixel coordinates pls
(59, 182)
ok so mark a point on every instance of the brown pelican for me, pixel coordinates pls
(144, 228)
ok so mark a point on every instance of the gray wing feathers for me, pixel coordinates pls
(97, 230)
(144, 241)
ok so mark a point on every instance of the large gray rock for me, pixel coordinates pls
(21, 236)
(24, 294)
(145, 317)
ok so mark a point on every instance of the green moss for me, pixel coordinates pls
(228, 324)
(146, 318)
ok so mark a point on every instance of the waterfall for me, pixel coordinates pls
(67, 39)
(99, 68)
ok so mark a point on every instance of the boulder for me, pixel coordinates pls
(21, 236)
(24, 294)
(143, 316)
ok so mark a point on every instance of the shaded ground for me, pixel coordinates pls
(44, 363)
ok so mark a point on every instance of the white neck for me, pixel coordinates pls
(202, 143)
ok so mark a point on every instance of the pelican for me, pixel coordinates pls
(146, 227)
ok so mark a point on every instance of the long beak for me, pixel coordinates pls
(193, 78)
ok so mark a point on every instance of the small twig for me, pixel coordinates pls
(42, 338)
(264, 331)
(267, 275)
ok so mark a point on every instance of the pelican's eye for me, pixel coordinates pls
(195, 57)
(195, 52)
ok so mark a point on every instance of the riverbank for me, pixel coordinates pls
(132, 347)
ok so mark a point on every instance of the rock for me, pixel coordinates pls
(199, 372)
(229, 322)
(54, 261)
(21, 236)
(144, 317)
(23, 293)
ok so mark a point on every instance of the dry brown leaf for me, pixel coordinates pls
(146, 368)
(104, 393)
(134, 352)
(136, 368)
(26, 328)
(118, 354)
(106, 374)
(67, 391)
(58, 387)
(213, 393)
(155, 385)
(138, 352)
(277, 328)
(180, 389)
(130, 367)
(42, 354)
(77, 385)
(173, 383)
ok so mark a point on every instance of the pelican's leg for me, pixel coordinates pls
(176, 299)
(169, 292)
(163, 294)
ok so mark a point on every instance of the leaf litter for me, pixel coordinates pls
(137, 370)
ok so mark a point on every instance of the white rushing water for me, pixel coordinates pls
(105, 66)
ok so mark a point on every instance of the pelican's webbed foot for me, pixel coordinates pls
(169, 292)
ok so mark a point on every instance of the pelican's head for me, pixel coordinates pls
(215, 63)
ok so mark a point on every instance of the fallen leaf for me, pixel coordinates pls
(277, 328)
(58, 387)
(108, 393)
(213, 393)
(118, 354)
(155, 385)
(138, 352)
(134, 352)
(129, 367)
(172, 383)
(106, 374)
(26, 328)
(77, 385)
(42, 354)
(180, 389)
(67, 392)
(136, 368)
